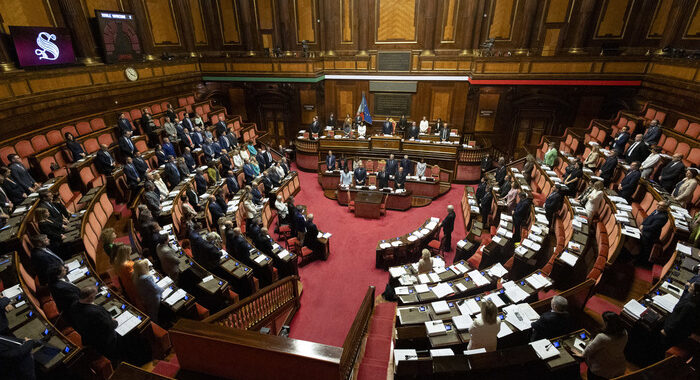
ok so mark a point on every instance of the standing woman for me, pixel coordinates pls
(484, 330)
(605, 354)
(124, 267)
(110, 247)
(75, 148)
(149, 293)
(527, 168)
(345, 177)
(420, 168)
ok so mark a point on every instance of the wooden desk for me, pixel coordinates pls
(368, 204)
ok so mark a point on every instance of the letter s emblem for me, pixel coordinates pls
(43, 40)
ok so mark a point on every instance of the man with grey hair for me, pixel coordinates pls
(552, 323)
(448, 225)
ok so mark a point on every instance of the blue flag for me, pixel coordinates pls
(364, 110)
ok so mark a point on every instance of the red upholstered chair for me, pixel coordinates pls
(156, 108)
(681, 125)
(292, 245)
(284, 232)
(54, 137)
(69, 128)
(159, 340)
(190, 99)
(181, 101)
(24, 148)
(105, 138)
(39, 143)
(693, 130)
(97, 123)
(307, 255)
(83, 128)
(91, 145)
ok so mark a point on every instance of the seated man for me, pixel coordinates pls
(552, 323)
(64, 294)
(44, 261)
(95, 325)
(204, 252)
(387, 128)
(311, 235)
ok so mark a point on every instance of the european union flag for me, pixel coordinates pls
(364, 110)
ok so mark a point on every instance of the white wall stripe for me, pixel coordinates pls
(456, 78)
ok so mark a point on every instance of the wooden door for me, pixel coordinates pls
(275, 121)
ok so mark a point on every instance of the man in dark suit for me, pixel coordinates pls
(521, 215)
(267, 184)
(170, 173)
(311, 236)
(186, 139)
(553, 204)
(57, 211)
(140, 164)
(161, 156)
(382, 179)
(400, 179)
(330, 161)
(204, 252)
(299, 223)
(413, 131)
(255, 194)
(216, 213)
(387, 128)
(16, 358)
(269, 161)
(486, 163)
(505, 188)
(15, 192)
(95, 325)
(220, 128)
(332, 121)
(360, 175)
(620, 141)
(638, 151)
(208, 150)
(501, 171)
(232, 139)
(126, 146)
(285, 166)
(358, 120)
(444, 133)
(196, 136)
(64, 294)
(20, 174)
(236, 245)
(672, 173)
(148, 126)
(629, 184)
(391, 166)
(43, 259)
(133, 180)
(124, 124)
(448, 225)
(188, 124)
(189, 160)
(261, 161)
(5, 306)
(481, 189)
(151, 198)
(104, 162)
(200, 182)
(192, 198)
(224, 143)
(683, 320)
(651, 229)
(608, 168)
(168, 147)
(406, 164)
(315, 126)
(231, 182)
(552, 323)
(274, 175)
(653, 133)
(225, 161)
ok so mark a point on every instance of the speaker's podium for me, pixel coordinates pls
(368, 204)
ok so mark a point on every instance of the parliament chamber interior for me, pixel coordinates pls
(349, 189)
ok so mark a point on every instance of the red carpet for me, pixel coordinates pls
(375, 362)
(333, 289)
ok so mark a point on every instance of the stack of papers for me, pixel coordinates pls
(422, 288)
(396, 243)
(176, 296)
(568, 258)
(538, 281)
(544, 349)
(666, 301)
(462, 322)
(397, 271)
(497, 271)
(126, 322)
(462, 268)
(440, 307)
(404, 354)
(469, 307)
(434, 328)
(505, 330)
(441, 352)
(514, 292)
(634, 308)
(442, 290)
(478, 278)
(384, 245)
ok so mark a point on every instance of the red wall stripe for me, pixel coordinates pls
(554, 82)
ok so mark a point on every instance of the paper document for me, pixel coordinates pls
(478, 278)
(176, 296)
(421, 288)
(497, 270)
(634, 308)
(544, 349)
(568, 258)
(440, 307)
(397, 271)
(442, 290)
(505, 330)
(441, 352)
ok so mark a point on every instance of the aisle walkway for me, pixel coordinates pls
(333, 289)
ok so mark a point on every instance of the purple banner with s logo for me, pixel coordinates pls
(40, 46)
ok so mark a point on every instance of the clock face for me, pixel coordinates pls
(131, 74)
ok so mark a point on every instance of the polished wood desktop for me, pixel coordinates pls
(368, 204)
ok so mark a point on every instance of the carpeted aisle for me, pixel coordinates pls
(333, 289)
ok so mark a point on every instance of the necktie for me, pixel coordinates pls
(131, 146)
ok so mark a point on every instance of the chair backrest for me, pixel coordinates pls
(660, 116)
(97, 123)
(45, 165)
(54, 137)
(694, 157)
(91, 145)
(39, 143)
(683, 148)
(83, 128)
(669, 145)
(141, 146)
(190, 99)
(105, 138)
(681, 125)
(181, 101)
(69, 128)
(24, 148)
(650, 114)
(693, 130)
(86, 175)
(135, 114)
(156, 108)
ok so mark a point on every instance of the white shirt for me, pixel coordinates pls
(237, 161)
(483, 335)
(361, 130)
(424, 126)
(420, 169)
(651, 161)
(244, 154)
(281, 209)
(594, 202)
(345, 178)
(162, 188)
(279, 170)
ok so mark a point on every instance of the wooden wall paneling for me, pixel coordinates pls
(197, 15)
(286, 27)
(449, 16)
(228, 21)
(161, 19)
(396, 21)
(466, 22)
(346, 21)
(441, 103)
(212, 25)
(266, 25)
(579, 27)
(305, 15)
(363, 25)
(613, 19)
(308, 97)
(557, 11)
(487, 102)
(89, 6)
(27, 13)
(185, 25)
(502, 16)
(77, 22)
(346, 101)
(249, 25)
(692, 31)
(657, 25)
(138, 8)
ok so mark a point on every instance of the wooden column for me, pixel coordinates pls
(144, 29)
(581, 26)
(186, 26)
(212, 26)
(81, 33)
(249, 27)
(468, 20)
(363, 29)
(286, 30)
(478, 21)
(430, 23)
(6, 63)
(330, 27)
(674, 24)
(525, 34)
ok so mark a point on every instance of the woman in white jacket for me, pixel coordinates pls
(484, 330)
(594, 199)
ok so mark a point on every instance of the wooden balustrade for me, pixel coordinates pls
(353, 340)
(262, 308)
